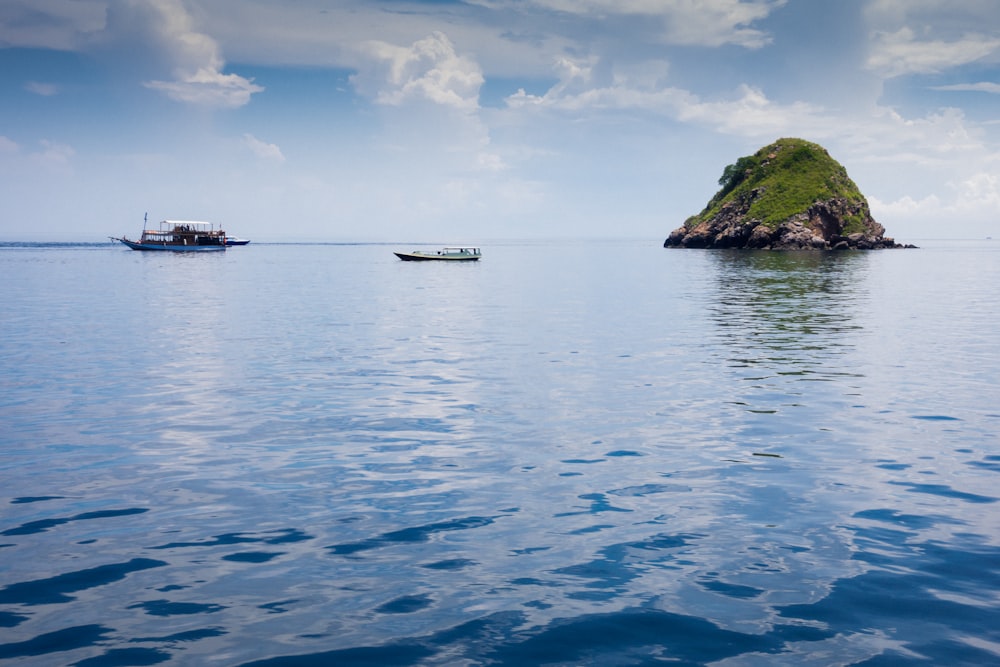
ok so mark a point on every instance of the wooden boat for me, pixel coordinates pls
(178, 236)
(456, 254)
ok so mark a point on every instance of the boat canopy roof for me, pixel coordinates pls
(195, 225)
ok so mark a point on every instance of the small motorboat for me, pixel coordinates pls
(233, 240)
(456, 254)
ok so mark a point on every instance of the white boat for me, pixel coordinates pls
(233, 240)
(451, 254)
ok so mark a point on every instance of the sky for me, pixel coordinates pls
(460, 121)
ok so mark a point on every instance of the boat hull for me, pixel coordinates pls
(169, 247)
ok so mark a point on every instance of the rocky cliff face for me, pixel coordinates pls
(790, 195)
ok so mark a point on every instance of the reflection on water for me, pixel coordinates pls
(788, 307)
(785, 321)
(608, 454)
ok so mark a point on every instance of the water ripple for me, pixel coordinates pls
(583, 454)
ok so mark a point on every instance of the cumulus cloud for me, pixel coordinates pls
(971, 201)
(194, 58)
(748, 113)
(901, 52)
(428, 70)
(208, 87)
(262, 149)
(427, 94)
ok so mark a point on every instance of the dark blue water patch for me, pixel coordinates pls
(168, 608)
(67, 639)
(11, 620)
(623, 452)
(600, 573)
(894, 466)
(170, 587)
(648, 490)
(599, 504)
(56, 589)
(405, 605)
(122, 657)
(533, 581)
(885, 600)
(618, 564)
(946, 492)
(732, 590)
(628, 637)
(253, 556)
(34, 499)
(42, 525)
(277, 607)
(186, 636)
(450, 564)
(911, 521)
(596, 528)
(991, 463)
(936, 418)
(635, 636)
(390, 655)
(409, 535)
(283, 536)
(227, 539)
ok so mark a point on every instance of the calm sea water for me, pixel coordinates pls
(566, 454)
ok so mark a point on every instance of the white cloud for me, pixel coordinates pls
(428, 70)
(208, 87)
(967, 208)
(7, 146)
(194, 58)
(753, 114)
(681, 22)
(982, 87)
(263, 149)
(717, 22)
(900, 52)
(749, 113)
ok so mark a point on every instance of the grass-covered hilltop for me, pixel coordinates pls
(789, 195)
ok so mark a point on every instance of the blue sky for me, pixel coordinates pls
(453, 121)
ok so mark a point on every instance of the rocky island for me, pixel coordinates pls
(790, 195)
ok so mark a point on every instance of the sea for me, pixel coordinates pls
(572, 452)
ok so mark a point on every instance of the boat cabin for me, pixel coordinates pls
(184, 232)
